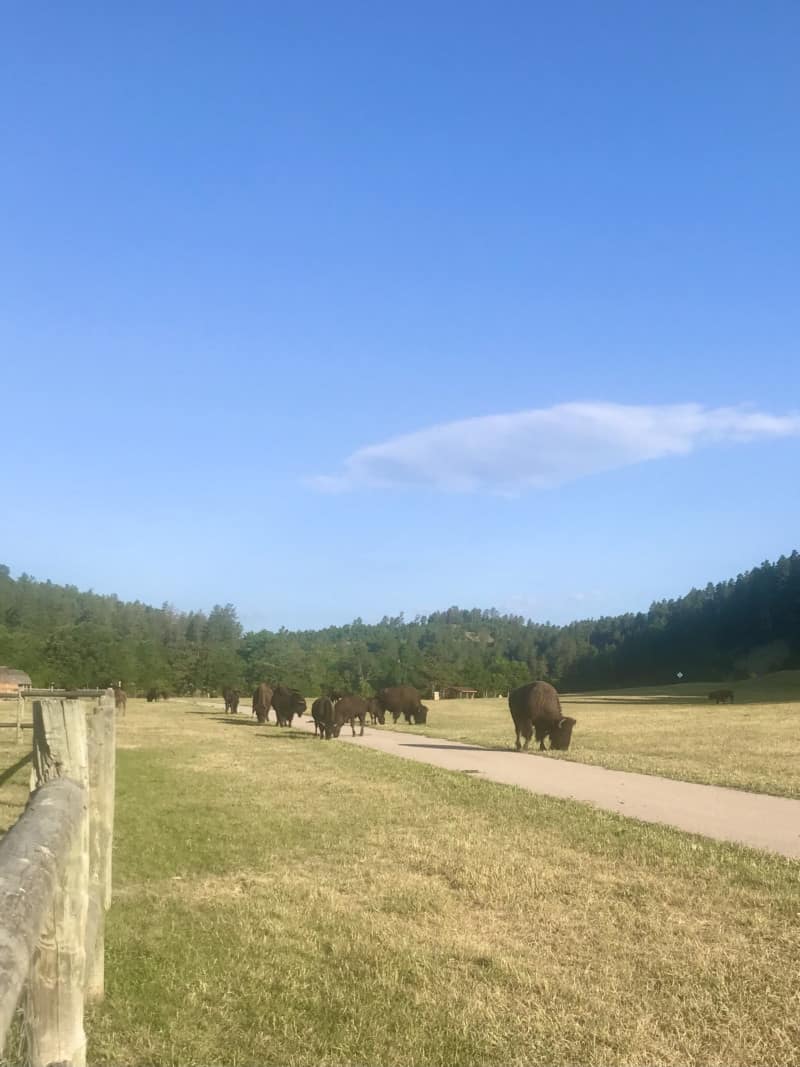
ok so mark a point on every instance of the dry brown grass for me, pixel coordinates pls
(280, 900)
(752, 746)
(320, 903)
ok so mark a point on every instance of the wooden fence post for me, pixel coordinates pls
(110, 788)
(20, 710)
(32, 853)
(54, 1010)
(101, 731)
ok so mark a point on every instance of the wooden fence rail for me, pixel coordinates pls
(55, 879)
(22, 695)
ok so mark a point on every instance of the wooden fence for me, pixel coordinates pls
(55, 878)
(18, 702)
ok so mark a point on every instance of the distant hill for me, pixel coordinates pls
(744, 628)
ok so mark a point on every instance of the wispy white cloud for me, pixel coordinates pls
(546, 447)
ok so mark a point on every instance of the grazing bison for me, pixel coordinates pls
(535, 708)
(721, 696)
(348, 709)
(231, 698)
(375, 711)
(287, 702)
(120, 699)
(403, 700)
(322, 714)
(152, 694)
(262, 699)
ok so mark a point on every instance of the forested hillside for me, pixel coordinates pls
(736, 629)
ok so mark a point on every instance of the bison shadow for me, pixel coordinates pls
(232, 721)
(12, 770)
(287, 734)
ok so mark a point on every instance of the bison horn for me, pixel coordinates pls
(561, 723)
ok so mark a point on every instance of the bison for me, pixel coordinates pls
(322, 714)
(120, 699)
(403, 700)
(152, 695)
(375, 711)
(348, 709)
(287, 703)
(535, 708)
(231, 698)
(721, 696)
(262, 699)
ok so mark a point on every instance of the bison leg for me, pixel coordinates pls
(353, 725)
(361, 731)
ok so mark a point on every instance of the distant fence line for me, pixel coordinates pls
(55, 877)
(24, 694)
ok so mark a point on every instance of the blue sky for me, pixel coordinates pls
(271, 273)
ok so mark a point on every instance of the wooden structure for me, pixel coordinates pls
(458, 692)
(55, 878)
(20, 694)
(11, 681)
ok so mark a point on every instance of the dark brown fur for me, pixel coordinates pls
(348, 709)
(322, 714)
(403, 700)
(287, 703)
(375, 711)
(721, 696)
(536, 709)
(262, 700)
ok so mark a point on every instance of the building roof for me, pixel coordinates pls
(12, 678)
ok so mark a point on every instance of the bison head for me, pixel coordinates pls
(421, 715)
(561, 734)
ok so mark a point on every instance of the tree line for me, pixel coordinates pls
(733, 630)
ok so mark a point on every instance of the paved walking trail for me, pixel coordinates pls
(754, 819)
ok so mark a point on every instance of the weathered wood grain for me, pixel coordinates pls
(32, 855)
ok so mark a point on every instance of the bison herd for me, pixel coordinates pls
(535, 709)
(330, 714)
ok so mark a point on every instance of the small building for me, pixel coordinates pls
(11, 680)
(458, 692)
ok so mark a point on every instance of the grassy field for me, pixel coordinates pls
(279, 900)
(673, 731)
